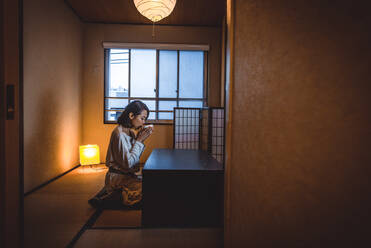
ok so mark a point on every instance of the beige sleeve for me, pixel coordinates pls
(128, 155)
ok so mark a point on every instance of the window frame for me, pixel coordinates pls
(158, 47)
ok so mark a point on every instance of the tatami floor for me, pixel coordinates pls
(58, 215)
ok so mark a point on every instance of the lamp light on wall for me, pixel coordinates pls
(89, 154)
(155, 10)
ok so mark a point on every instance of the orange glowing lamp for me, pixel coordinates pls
(89, 154)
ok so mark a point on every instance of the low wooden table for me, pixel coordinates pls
(182, 188)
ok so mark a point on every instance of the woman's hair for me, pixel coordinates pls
(136, 107)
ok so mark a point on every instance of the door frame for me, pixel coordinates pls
(11, 125)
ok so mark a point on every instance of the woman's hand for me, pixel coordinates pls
(144, 134)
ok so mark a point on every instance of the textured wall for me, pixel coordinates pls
(52, 90)
(94, 131)
(300, 162)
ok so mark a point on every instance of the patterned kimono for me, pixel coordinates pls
(122, 160)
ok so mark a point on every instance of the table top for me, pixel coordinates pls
(181, 160)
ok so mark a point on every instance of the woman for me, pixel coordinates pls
(124, 151)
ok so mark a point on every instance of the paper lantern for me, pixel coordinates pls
(155, 10)
(89, 154)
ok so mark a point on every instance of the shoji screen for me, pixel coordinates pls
(203, 129)
(187, 128)
(217, 133)
(205, 139)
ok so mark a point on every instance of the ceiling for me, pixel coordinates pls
(186, 12)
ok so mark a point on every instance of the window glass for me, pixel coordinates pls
(165, 116)
(190, 104)
(166, 105)
(119, 73)
(168, 73)
(116, 104)
(143, 73)
(112, 115)
(133, 74)
(191, 74)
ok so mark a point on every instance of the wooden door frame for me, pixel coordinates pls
(11, 130)
(2, 130)
(229, 85)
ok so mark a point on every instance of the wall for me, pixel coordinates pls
(299, 160)
(94, 131)
(52, 90)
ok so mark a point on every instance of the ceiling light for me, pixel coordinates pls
(155, 10)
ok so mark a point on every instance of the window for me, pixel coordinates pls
(161, 78)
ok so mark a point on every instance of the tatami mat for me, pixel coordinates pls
(119, 219)
(58, 213)
(54, 214)
(152, 238)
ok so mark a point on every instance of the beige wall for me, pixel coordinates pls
(299, 168)
(94, 131)
(52, 90)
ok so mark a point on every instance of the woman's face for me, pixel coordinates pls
(139, 120)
